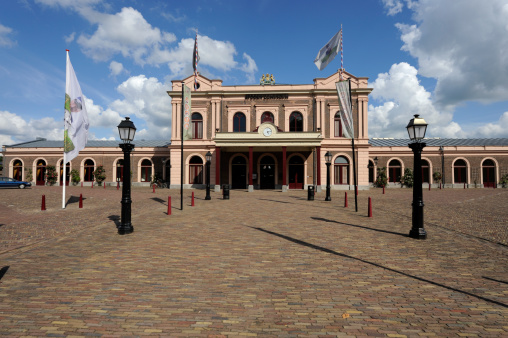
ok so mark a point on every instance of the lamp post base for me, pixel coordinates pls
(419, 233)
(125, 229)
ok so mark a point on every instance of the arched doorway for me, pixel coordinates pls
(40, 175)
(196, 170)
(239, 173)
(267, 173)
(119, 170)
(371, 171)
(88, 170)
(296, 172)
(394, 171)
(425, 171)
(146, 170)
(67, 172)
(341, 170)
(460, 171)
(489, 174)
(17, 170)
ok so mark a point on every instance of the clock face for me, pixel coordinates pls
(267, 132)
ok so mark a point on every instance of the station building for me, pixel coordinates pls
(269, 136)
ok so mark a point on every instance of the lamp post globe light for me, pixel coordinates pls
(416, 129)
(127, 130)
(328, 160)
(208, 161)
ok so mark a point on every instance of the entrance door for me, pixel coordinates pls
(40, 175)
(296, 172)
(239, 173)
(489, 174)
(267, 173)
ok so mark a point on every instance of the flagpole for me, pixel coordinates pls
(64, 171)
(181, 148)
(353, 150)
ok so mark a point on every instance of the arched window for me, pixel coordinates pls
(119, 170)
(17, 170)
(267, 117)
(40, 175)
(197, 126)
(146, 170)
(89, 169)
(337, 125)
(371, 171)
(196, 170)
(460, 171)
(425, 171)
(394, 171)
(489, 174)
(341, 170)
(296, 121)
(239, 122)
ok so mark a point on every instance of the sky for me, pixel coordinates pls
(446, 60)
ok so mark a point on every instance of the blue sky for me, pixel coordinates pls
(445, 60)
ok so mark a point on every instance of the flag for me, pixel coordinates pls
(75, 117)
(329, 51)
(346, 115)
(195, 60)
(186, 125)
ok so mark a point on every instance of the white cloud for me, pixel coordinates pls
(250, 68)
(17, 130)
(463, 45)
(116, 68)
(400, 96)
(126, 33)
(146, 99)
(68, 39)
(173, 18)
(493, 130)
(5, 40)
(393, 6)
(98, 117)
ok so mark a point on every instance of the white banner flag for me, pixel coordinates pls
(76, 117)
(346, 115)
(329, 51)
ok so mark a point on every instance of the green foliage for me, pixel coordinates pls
(99, 174)
(408, 179)
(75, 176)
(156, 178)
(29, 177)
(437, 176)
(51, 175)
(504, 181)
(381, 178)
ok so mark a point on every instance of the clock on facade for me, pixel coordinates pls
(267, 131)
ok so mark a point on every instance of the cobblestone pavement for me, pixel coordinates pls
(266, 263)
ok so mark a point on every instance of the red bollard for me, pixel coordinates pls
(439, 186)
(192, 203)
(429, 186)
(169, 205)
(154, 188)
(464, 185)
(370, 207)
(43, 205)
(104, 185)
(117, 185)
(81, 201)
(92, 184)
(345, 200)
(383, 189)
(81, 184)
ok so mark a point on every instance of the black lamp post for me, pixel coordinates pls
(416, 129)
(127, 130)
(328, 159)
(441, 150)
(208, 161)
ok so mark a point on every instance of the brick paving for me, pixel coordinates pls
(265, 264)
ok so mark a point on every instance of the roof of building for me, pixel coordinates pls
(437, 142)
(43, 143)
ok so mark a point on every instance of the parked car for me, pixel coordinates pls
(7, 182)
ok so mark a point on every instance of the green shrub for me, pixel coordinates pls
(504, 181)
(99, 174)
(408, 179)
(381, 178)
(75, 176)
(51, 175)
(437, 176)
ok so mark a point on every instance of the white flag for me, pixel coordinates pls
(329, 51)
(346, 115)
(76, 117)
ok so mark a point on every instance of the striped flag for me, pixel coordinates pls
(346, 115)
(329, 51)
(195, 60)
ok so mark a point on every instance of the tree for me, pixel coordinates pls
(381, 178)
(99, 174)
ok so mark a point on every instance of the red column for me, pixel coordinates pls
(217, 166)
(284, 182)
(251, 159)
(318, 165)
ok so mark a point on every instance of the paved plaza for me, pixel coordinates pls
(266, 263)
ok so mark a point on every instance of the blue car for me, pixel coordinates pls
(7, 182)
